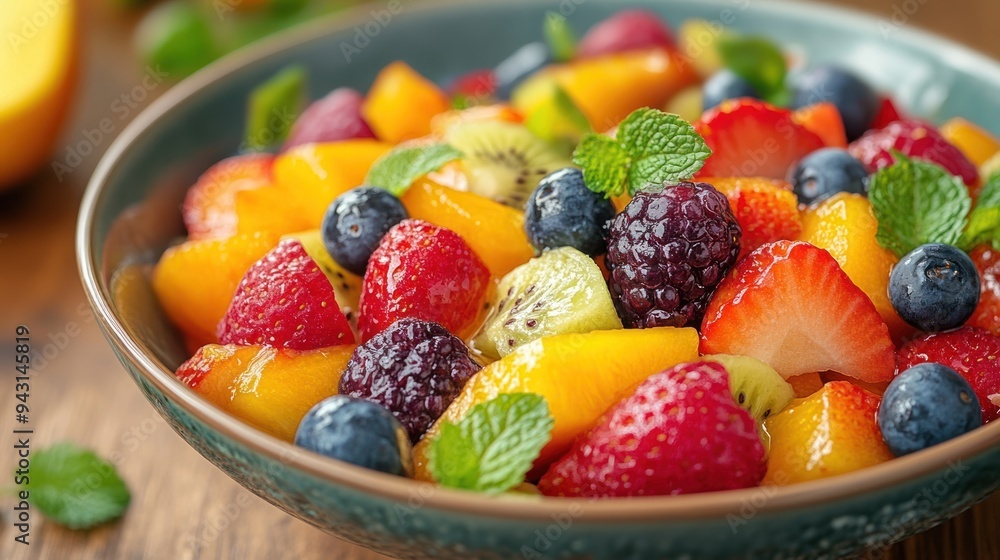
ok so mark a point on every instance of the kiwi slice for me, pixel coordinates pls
(346, 286)
(504, 161)
(755, 385)
(562, 291)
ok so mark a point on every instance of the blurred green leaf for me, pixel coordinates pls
(273, 107)
(176, 38)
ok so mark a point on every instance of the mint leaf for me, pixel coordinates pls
(398, 169)
(604, 163)
(757, 60)
(494, 446)
(663, 148)
(984, 221)
(76, 488)
(273, 107)
(917, 202)
(559, 36)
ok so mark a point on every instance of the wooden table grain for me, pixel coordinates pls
(184, 508)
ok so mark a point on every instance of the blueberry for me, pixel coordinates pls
(826, 172)
(857, 102)
(563, 212)
(358, 432)
(935, 287)
(519, 66)
(926, 405)
(355, 223)
(723, 85)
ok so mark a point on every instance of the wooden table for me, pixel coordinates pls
(183, 507)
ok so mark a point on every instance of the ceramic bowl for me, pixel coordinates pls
(130, 214)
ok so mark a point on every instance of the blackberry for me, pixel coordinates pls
(414, 368)
(667, 252)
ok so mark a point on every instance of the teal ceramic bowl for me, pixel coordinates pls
(130, 214)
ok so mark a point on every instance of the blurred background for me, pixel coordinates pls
(73, 73)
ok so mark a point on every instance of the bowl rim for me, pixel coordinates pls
(679, 508)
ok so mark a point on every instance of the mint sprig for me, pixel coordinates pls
(984, 221)
(398, 169)
(75, 487)
(492, 448)
(917, 202)
(651, 148)
(757, 60)
(559, 35)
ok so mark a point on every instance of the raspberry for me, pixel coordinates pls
(414, 368)
(681, 432)
(666, 253)
(914, 139)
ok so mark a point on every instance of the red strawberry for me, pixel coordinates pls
(987, 314)
(791, 305)
(824, 120)
(333, 118)
(628, 30)
(915, 139)
(766, 209)
(477, 85)
(887, 114)
(972, 352)
(750, 138)
(209, 208)
(679, 433)
(425, 272)
(285, 300)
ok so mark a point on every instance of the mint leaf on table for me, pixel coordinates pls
(651, 148)
(757, 60)
(605, 164)
(74, 487)
(494, 446)
(917, 202)
(984, 221)
(559, 36)
(273, 108)
(398, 169)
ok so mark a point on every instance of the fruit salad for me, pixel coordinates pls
(644, 262)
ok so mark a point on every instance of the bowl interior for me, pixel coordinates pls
(131, 211)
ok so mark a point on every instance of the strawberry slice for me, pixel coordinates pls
(681, 432)
(790, 305)
(209, 208)
(970, 351)
(887, 114)
(425, 272)
(750, 138)
(987, 313)
(766, 209)
(286, 301)
(823, 119)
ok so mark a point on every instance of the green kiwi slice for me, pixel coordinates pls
(560, 292)
(755, 385)
(504, 161)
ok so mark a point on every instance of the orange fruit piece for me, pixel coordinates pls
(829, 433)
(210, 204)
(442, 123)
(580, 376)
(38, 62)
(195, 280)
(607, 88)
(845, 226)
(494, 231)
(766, 209)
(312, 175)
(805, 384)
(267, 387)
(977, 144)
(823, 120)
(874, 388)
(401, 104)
(268, 209)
